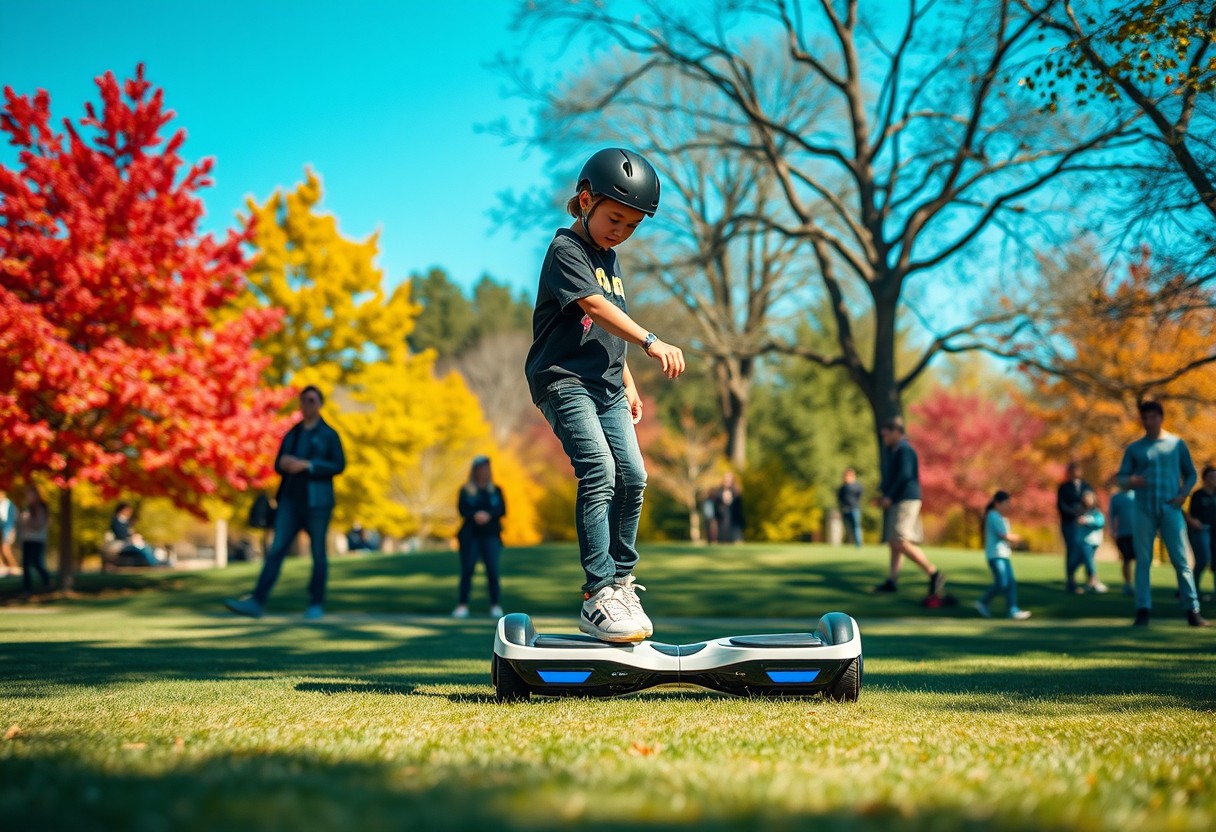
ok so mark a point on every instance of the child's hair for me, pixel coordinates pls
(997, 498)
(574, 209)
(1152, 407)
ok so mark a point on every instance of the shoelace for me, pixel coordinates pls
(630, 586)
(615, 606)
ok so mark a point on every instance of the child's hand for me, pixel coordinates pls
(635, 402)
(672, 358)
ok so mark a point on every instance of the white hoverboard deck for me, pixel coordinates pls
(826, 660)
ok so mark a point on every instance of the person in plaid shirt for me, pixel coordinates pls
(1158, 466)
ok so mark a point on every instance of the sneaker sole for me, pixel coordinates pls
(615, 638)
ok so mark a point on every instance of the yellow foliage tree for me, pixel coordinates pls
(1116, 348)
(409, 436)
(336, 315)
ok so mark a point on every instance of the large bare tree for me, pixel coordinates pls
(923, 154)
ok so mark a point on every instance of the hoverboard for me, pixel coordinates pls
(826, 661)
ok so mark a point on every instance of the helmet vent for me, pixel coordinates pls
(620, 190)
(628, 168)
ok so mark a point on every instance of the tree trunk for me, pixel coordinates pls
(67, 565)
(694, 523)
(733, 380)
(883, 390)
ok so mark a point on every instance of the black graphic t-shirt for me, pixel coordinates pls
(567, 348)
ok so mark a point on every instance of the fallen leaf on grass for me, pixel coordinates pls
(641, 749)
(179, 744)
(13, 731)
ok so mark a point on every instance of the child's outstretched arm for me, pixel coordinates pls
(609, 316)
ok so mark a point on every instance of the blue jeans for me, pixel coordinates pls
(485, 549)
(1077, 552)
(603, 449)
(1003, 583)
(1172, 526)
(1201, 548)
(290, 519)
(852, 524)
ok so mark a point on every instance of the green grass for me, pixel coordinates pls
(139, 709)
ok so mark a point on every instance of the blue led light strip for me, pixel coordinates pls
(792, 677)
(564, 677)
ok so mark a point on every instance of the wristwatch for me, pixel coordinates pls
(649, 341)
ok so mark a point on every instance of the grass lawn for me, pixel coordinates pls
(145, 707)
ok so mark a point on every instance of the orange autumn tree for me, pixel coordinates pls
(1120, 345)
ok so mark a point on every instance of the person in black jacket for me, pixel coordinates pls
(309, 458)
(482, 508)
(1201, 520)
(901, 501)
(1068, 504)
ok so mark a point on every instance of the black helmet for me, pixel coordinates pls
(624, 176)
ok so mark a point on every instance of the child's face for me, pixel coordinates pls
(1088, 499)
(611, 222)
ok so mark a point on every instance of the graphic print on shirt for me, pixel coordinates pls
(611, 286)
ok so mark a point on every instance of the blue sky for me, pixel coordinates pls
(381, 98)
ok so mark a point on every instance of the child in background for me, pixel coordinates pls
(997, 548)
(1091, 522)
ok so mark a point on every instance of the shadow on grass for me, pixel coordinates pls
(305, 792)
(754, 580)
(1066, 664)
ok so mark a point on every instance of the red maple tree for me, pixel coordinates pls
(123, 360)
(971, 447)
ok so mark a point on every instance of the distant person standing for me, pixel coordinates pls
(1158, 465)
(848, 500)
(1091, 524)
(482, 508)
(309, 458)
(709, 514)
(901, 500)
(1122, 529)
(728, 510)
(1201, 520)
(35, 520)
(8, 533)
(1068, 504)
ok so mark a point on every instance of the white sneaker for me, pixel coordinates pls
(983, 609)
(606, 616)
(461, 611)
(630, 585)
(1098, 587)
(496, 612)
(1020, 615)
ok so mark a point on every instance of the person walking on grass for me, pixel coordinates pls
(1158, 466)
(309, 458)
(901, 500)
(998, 548)
(1201, 522)
(1090, 525)
(482, 508)
(1122, 529)
(848, 500)
(1068, 504)
(579, 378)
